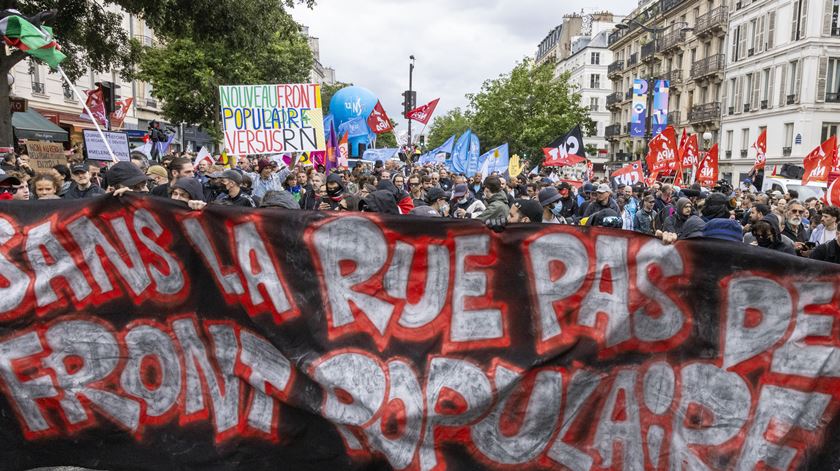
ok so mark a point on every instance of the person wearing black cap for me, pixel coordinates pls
(231, 189)
(549, 199)
(568, 202)
(124, 177)
(9, 186)
(82, 186)
(190, 191)
(438, 200)
(525, 211)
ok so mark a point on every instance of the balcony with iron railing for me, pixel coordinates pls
(649, 51)
(39, 88)
(633, 60)
(611, 132)
(709, 66)
(671, 41)
(675, 117)
(615, 68)
(675, 77)
(150, 103)
(832, 97)
(714, 21)
(705, 113)
(614, 99)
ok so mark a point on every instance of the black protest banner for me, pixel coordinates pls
(135, 334)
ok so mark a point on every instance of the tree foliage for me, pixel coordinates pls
(455, 121)
(327, 92)
(186, 74)
(527, 108)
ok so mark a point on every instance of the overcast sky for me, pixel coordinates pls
(457, 43)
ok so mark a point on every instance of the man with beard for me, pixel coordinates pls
(464, 205)
(445, 182)
(794, 229)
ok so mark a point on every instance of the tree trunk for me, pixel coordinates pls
(7, 61)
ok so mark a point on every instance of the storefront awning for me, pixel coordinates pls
(30, 124)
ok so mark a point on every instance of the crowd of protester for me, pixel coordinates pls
(774, 221)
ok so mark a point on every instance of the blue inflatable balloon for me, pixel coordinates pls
(351, 103)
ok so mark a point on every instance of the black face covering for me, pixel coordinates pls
(764, 241)
(334, 192)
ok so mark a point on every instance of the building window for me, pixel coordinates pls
(594, 81)
(793, 78)
(593, 104)
(829, 129)
(832, 82)
(596, 58)
(798, 19)
(835, 15)
(745, 139)
(730, 136)
(765, 90)
(788, 135)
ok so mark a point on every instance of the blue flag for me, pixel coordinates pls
(355, 127)
(495, 160)
(473, 155)
(436, 155)
(329, 121)
(460, 153)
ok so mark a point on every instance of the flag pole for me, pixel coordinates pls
(92, 118)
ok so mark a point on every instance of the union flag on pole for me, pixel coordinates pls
(630, 174)
(96, 104)
(378, 120)
(760, 151)
(707, 172)
(690, 152)
(818, 163)
(423, 113)
(662, 153)
(118, 116)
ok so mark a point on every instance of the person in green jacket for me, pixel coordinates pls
(495, 199)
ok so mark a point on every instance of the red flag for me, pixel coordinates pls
(707, 172)
(559, 157)
(818, 163)
(832, 194)
(344, 149)
(378, 120)
(118, 116)
(424, 113)
(96, 104)
(691, 152)
(649, 181)
(630, 174)
(662, 153)
(590, 171)
(760, 151)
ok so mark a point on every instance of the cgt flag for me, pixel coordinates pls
(423, 113)
(96, 104)
(566, 150)
(662, 151)
(818, 163)
(630, 174)
(707, 172)
(378, 121)
(760, 147)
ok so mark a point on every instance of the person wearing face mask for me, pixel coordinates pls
(568, 202)
(438, 200)
(767, 235)
(230, 186)
(463, 205)
(549, 199)
(684, 222)
(335, 191)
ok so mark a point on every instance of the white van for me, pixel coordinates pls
(816, 189)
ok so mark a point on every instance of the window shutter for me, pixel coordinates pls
(756, 91)
(771, 30)
(794, 20)
(827, 13)
(782, 85)
(723, 87)
(734, 55)
(803, 19)
(742, 46)
(821, 77)
(759, 37)
(797, 85)
(770, 88)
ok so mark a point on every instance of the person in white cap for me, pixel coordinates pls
(603, 200)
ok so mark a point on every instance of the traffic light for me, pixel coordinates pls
(109, 93)
(409, 101)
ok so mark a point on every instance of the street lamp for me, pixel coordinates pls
(410, 76)
(707, 137)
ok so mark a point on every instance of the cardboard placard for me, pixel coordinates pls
(45, 155)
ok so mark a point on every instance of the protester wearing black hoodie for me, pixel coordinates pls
(335, 191)
(768, 235)
(684, 222)
(380, 201)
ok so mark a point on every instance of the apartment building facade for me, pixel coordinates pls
(682, 41)
(782, 75)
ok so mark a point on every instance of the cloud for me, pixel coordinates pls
(458, 44)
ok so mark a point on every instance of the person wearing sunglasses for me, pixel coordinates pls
(795, 229)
